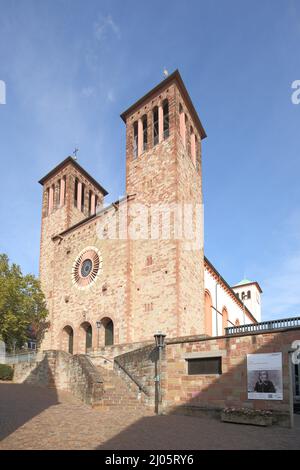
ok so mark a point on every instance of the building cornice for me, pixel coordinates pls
(71, 161)
(175, 77)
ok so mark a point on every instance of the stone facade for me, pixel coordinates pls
(145, 284)
(210, 393)
(58, 369)
(192, 393)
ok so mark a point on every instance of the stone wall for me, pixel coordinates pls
(141, 365)
(58, 369)
(195, 393)
(198, 394)
(104, 356)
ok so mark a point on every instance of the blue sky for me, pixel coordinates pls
(72, 66)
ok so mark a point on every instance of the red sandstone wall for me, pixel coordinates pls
(230, 388)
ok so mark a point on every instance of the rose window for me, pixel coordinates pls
(87, 267)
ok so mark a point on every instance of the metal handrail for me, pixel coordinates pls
(293, 322)
(139, 385)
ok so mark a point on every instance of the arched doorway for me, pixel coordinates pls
(208, 314)
(108, 325)
(86, 336)
(68, 339)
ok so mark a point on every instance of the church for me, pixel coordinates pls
(116, 274)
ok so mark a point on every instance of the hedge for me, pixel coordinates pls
(6, 372)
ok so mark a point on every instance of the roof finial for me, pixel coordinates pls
(165, 73)
(76, 150)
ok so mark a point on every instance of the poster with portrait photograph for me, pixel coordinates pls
(264, 372)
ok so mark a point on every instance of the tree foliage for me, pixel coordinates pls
(22, 304)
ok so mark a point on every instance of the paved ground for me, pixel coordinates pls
(39, 418)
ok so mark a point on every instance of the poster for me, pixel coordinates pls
(264, 372)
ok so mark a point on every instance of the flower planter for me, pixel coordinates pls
(252, 418)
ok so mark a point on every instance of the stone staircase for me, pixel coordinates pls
(117, 395)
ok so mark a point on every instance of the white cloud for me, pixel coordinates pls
(88, 91)
(104, 26)
(110, 96)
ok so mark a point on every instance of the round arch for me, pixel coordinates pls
(108, 325)
(67, 339)
(85, 339)
(224, 319)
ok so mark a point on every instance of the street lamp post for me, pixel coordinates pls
(98, 325)
(160, 343)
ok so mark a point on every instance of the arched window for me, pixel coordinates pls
(51, 198)
(135, 139)
(90, 203)
(155, 126)
(249, 294)
(208, 314)
(166, 119)
(58, 193)
(224, 319)
(82, 197)
(108, 331)
(62, 191)
(76, 192)
(145, 133)
(68, 339)
(182, 124)
(47, 201)
(238, 295)
(193, 146)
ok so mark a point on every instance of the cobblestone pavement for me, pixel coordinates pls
(40, 418)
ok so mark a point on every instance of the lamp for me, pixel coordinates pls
(160, 343)
(98, 325)
(159, 339)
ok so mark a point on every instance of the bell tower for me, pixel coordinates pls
(70, 195)
(163, 174)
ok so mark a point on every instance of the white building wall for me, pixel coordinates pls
(254, 303)
(219, 301)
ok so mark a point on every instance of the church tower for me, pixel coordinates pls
(70, 195)
(164, 175)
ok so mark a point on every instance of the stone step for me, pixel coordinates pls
(118, 395)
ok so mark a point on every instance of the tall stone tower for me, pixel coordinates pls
(163, 174)
(151, 276)
(70, 195)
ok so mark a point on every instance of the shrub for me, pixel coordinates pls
(6, 372)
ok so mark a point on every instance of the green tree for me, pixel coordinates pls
(22, 304)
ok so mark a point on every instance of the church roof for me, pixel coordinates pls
(246, 282)
(243, 282)
(70, 160)
(173, 77)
